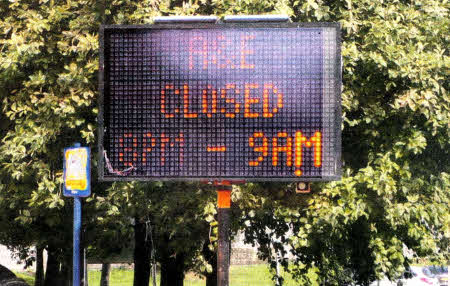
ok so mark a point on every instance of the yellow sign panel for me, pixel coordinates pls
(76, 171)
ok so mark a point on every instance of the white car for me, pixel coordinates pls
(439, 272)
(415, 276)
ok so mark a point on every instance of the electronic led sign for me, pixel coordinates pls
(256, 102)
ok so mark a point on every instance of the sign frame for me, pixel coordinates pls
(219, 25)
(76, 192)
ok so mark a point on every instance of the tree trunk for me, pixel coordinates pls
(52, 273)
(39, 277)
(66, 271)
(141, 255)
(211, 258)
(106, 269)
(211, 278)
(172, 270)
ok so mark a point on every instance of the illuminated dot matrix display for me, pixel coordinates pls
(219, 101)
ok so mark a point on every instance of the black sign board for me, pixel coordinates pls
(255, 102)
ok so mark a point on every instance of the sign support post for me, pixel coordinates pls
(76, 240)
(223, 219)
(77, 184)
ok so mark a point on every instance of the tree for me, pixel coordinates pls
(170, 219)
(47, 92)
(394, 191)
(48, 69)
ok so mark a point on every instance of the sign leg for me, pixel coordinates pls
(76, 240)
(223, 251)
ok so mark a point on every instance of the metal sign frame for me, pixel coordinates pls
(162, 26)
(78, 192)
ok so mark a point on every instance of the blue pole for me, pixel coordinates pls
(76, 240)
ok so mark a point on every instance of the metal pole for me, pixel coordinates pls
(223, 252)
(76, 240)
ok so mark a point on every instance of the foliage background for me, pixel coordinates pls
(395, 188)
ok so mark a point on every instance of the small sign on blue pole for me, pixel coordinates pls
(77, 171)
(77, 183)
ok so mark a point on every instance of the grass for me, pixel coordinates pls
(248, 275)
(27, 276)
(256, 275)
(117, 277)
